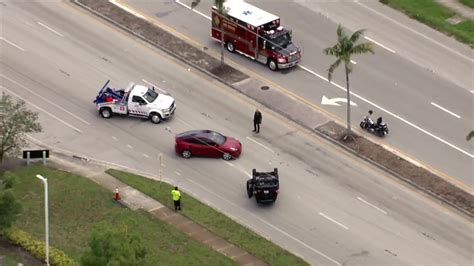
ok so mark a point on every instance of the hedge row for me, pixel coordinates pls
(37, 248)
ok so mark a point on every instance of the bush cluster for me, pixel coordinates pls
(37, 248)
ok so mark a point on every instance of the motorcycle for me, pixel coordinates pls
(379, 128)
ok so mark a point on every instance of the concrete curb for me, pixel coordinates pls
(279, 111)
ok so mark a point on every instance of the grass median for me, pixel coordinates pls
(213, 220)
(435, 15)
(76, 204)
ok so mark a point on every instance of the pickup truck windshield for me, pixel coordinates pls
(150, 95)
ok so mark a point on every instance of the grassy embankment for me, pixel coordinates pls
(435, 15)
(213, 220)
(77, 204)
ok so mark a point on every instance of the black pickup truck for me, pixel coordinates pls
(264, 185)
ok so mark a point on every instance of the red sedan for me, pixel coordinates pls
(207, 143)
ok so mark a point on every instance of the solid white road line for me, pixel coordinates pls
(129, 146)
(194, 10)
(265, 147)
(396, 116)
(446, 110)
(44, 99)
(414, 31)
(177, 173)
(124, 7)
(371, 205)
(379, 44)
(231, 165)
(156, 87)
(42, 110)
(146, 155)
(114, 138)
(12, 44)
(472, 91)
(334, 221)
(49, 28)
(266, 222)
(353, 62)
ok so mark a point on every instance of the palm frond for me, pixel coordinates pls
(356, 35)
(363, 48)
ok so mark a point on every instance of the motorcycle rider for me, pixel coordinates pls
(369, 119)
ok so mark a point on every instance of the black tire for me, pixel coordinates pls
(155, 118)
(275, 198)
(254, 172)
(272, 65)
(362, 125)
(230, 47)
(249, 189)
(186, 154)
(226, 156)
(275, 171)
(105, 112)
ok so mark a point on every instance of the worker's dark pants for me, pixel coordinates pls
(177, 205)
(256, 127)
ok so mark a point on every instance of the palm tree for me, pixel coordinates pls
(343, 50)
(222, 11)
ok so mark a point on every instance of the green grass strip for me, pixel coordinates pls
(213, 220)
(77, 204)
(469, 3)
(435, 15)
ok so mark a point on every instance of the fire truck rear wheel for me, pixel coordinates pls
(105, 112)
(230, 47)
(155, 118)
(272, 65)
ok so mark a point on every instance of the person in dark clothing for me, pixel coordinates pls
(257, 120)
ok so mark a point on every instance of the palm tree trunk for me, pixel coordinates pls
(348, 103)
(222, 44)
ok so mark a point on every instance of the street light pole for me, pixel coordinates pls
(46, 217)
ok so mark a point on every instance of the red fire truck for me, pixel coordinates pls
(255, 33)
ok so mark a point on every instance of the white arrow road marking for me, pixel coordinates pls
(41, 109)
(49, 28)
(12, 44)
(333, 101)
(446, 110)
(334, 221)
(156, 87)
(265, 147)
(371, 205)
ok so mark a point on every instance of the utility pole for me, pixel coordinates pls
(46, 216)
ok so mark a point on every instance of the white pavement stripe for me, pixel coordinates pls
(394, 115)
(114, 138)
(379, 44)
(312, 72)
(49, 28)
(42, 110)
(268, 223)
(44, 99)
(265, 147)
(446, 110)
(414, 31)
(371, 205)
(353, 62)
(194, 10)
(178, 173)
(231, 165)
(472, 91)
(12, 44)
(129, 146)
(128, 9)
(146, 155)
(149, 83)
(334, 221)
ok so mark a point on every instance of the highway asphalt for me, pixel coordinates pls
(419, 80)
(333, 208)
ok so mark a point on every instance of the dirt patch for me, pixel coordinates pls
(164, 40)
(405, 170)
(419, 177)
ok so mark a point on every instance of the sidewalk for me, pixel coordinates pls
(459, 8)
(134, 199)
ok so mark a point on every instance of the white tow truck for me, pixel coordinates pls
(135, 100)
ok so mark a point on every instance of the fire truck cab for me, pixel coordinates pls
(256, 34)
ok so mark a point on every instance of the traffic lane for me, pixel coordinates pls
(442, 54)
(284, 79)
(131, 145)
